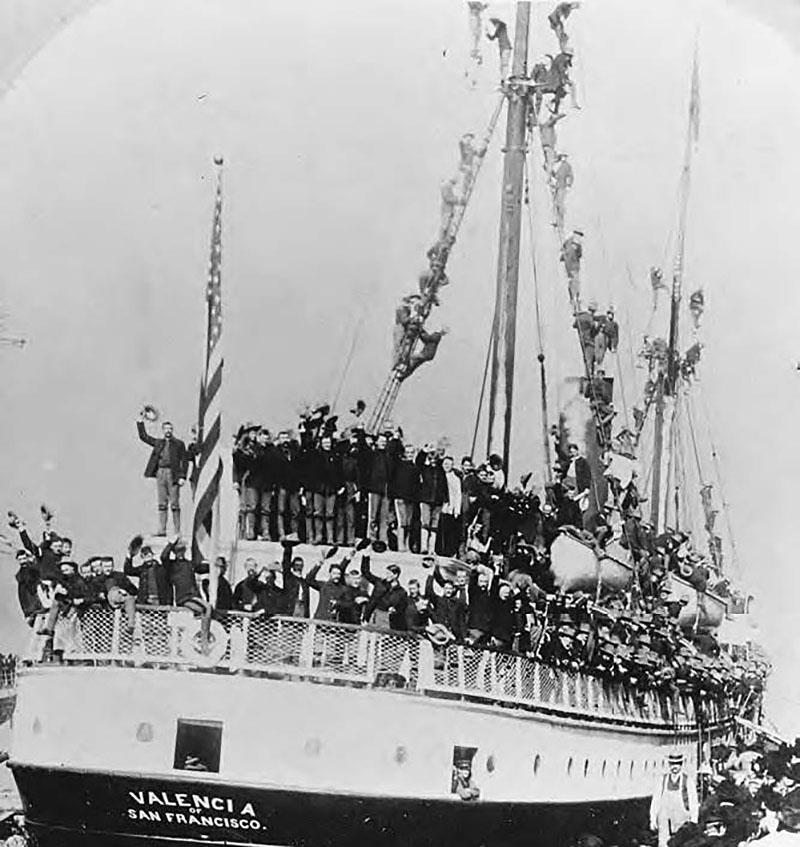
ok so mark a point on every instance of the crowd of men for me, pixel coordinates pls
(749, 789)
(331, 487)
(488, 600)
(54, 589)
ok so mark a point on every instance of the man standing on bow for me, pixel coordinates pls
(674, 801)
(167, 466)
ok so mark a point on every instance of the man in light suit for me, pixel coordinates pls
(674, 801)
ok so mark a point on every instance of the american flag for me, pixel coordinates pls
(208, 463)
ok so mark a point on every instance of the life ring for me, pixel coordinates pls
(217, 643)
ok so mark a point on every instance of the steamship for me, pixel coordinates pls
(305, 732)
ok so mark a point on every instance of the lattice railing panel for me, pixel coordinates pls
(293, 647)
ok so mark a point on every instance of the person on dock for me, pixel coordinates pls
(167, 466)
(674, 801)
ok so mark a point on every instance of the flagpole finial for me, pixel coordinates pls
(218, 160)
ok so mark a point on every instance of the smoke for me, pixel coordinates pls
(575, 415)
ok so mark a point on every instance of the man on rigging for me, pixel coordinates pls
(426, 353)
(450, 199)
(500, 35)
(607, 337)
(586, 324)
(562, 179)
(571, 255)
(556, 19)
(547, 135)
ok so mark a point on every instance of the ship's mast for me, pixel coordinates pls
(505, 315)
(677, 274)
(667, 378)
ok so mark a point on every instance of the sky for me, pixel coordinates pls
(337, 123)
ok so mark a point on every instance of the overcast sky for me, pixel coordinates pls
(337, 123)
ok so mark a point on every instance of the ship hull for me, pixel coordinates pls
(65, 807)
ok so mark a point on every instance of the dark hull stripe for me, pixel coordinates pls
(91, 809)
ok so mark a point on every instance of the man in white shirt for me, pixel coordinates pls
(450, 521)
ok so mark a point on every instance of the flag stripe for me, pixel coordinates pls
(210, 392)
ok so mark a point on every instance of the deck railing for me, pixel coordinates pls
(361, 656)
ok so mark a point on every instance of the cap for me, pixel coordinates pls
(675, 758)
(393, 569)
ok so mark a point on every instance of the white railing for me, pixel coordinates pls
(361, 656)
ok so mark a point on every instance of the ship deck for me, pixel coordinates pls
(368, 657)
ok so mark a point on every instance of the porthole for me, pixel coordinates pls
(37, 726)
(312, 747)
(631, 769)
(586, 768)
(490, 763)
(619, 767)
(603, 769)
(144, 732)
(536, 763)
(400, 754)
(646, 765)
(569, 767)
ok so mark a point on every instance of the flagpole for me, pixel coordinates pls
(209, 532)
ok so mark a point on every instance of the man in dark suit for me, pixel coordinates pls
(167, 466)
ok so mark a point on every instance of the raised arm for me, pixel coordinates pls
(310, 579)
(367, 573)
(143, 434)
(130, 569)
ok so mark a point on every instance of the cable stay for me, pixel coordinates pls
(414, 345)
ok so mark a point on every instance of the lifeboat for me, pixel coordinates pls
(577, 567)
(699, 609)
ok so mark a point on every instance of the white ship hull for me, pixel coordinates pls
(314, 733)
(289, 746)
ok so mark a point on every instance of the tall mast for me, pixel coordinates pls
(658, 449)
(677, 274)
(505, 315)
(667, 378)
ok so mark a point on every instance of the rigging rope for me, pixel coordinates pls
(489, 347)
(539, 328)
(718, 473)
(348, 360)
